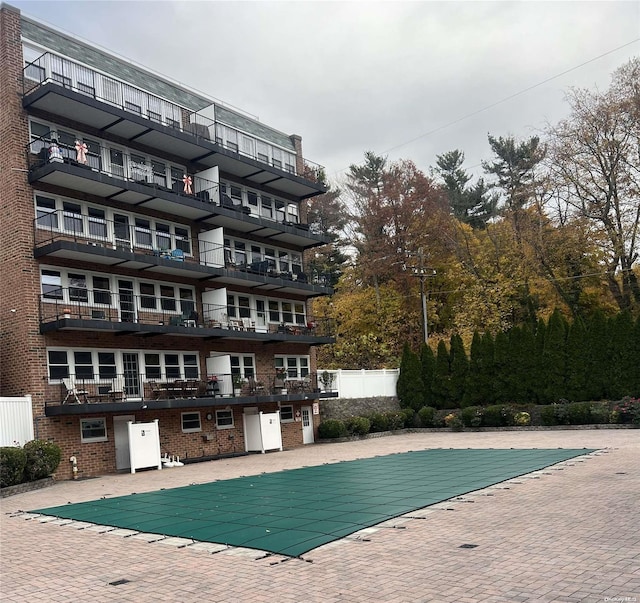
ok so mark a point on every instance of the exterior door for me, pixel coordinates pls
(126, 301)
(122, 232)
(307, 425)
(131, 375)
(121, 438)
(261, 316)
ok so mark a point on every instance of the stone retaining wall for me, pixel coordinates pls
(343, 408)
(26, 487)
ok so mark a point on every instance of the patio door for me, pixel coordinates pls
(307, 425)
(131, 375)
(261, 316)
(126, 301)
(122, 232)
(121, 439)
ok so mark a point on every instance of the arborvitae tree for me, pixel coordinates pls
(539, 336)
(428, 363)
(596, 343)
(522, 378)
(502, 368)
(487, 353)
(459, 369)
(442, 378)
(577, 356)
(476, 374)
(621, 348)
(410, 387)
(554, 359)
(635, 361)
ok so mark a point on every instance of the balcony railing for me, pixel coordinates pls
(156, 384)
(122, 166)
(130, 167)
(172, 243)
(99, 305)
(216, 316)
(51, 68)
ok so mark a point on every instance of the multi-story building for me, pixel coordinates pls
(154, 257)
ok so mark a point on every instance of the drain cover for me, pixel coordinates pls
(119, 582)
(468, 546)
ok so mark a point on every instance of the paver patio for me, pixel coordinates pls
(568, 533)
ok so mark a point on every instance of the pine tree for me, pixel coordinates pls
(554, 359)
(459, 369)
(488, 363)
(577, 357)
(410, 387)
(442, 378)
(472, 392)
(597, 366)
(428, 364)
(502, 366)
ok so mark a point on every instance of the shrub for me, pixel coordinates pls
(357, 425)
(628, 410)
(426, 415)
(522, 418)
(579, 413)
(599, 414)
(43, 459)
(471, 416)
(453, 421)
(379, 422)
(548, 415)
(332, 428)
(12, 463)
(497, 415)
(395, 420)
(409, 417)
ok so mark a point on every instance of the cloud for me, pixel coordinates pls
(356, 76)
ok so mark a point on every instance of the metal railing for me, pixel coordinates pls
(91, 304)
(62, 224)
(129, 167)
(51, 68)
(158, 383)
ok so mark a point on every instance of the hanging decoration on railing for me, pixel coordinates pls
(81, 152)
(187, 184)
(54, 153)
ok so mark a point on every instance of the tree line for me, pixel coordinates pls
(553, 224)
(540, 363)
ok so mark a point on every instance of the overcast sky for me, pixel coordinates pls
(356, 76)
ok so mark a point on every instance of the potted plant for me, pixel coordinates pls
(237, 381)
(327, 379)
(280, 380)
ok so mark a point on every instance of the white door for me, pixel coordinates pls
(307, 425)
(121, 438)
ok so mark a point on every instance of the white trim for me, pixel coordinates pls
(191, 429)
(223, 410)
(89, 440)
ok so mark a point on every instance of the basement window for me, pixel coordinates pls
(93, 430)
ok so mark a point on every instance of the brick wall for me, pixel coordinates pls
(21, 346)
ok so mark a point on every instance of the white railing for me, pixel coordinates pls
(361, 383)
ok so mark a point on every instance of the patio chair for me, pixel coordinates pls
(117, 389)
(73, 391)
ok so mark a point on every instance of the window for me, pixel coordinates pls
(101, 290)
(78, 288)
(224, 419)
(147, 296)
(172, 366)
(182, 239)
(152, 368)
(46, 213)
(72, 217)
(51, 283)
(143, 232)
(297, 367)
(58, 364)
(39, 134)
(286, 414)
(83, 365)
(187, 305)
(243, 365)
(97, 223)
(163, 236)
(191, 366)
(106, 365)
(167, 298)
(159, 173)
(93, 430)
(191, 422)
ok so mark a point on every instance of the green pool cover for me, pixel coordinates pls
(292, 512)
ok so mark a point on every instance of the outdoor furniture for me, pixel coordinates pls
(73, 391)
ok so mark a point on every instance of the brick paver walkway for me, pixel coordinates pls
(568, 535)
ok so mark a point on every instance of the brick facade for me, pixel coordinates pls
(23, 347)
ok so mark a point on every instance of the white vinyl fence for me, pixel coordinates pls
(362, 383)
(16, 421)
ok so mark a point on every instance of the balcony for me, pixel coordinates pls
(89, 238)
(83, 394)
(62, 87)
(125, 179)
(125, 313)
